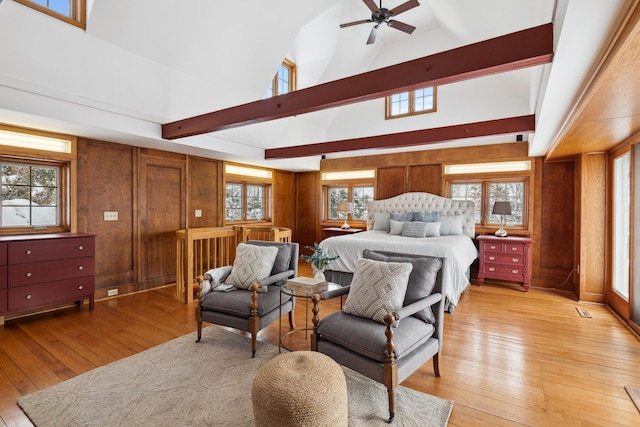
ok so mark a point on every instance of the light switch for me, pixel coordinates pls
(111, 216)
(198, 213)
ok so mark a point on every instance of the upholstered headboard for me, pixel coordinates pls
(426, 202)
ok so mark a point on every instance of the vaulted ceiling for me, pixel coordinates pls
(143, 64)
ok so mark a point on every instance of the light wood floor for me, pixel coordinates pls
(509, 358)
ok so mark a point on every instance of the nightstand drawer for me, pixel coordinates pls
(514, 248)
(495, 248)
(501, 270)
(491, 258)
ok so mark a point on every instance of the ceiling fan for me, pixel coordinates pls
(381, 15)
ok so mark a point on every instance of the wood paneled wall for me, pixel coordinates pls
(308, 209)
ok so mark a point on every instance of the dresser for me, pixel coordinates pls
(42, 271)
(505, 258)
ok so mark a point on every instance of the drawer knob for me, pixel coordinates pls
(513, 248)
(515, 271)
(28, 274)
(492, 247)
(80, 268)
(80, 247)
(81, 287)
(515, 259)
(28, 252)
(492, 258)
(492, 269)
(28, 296)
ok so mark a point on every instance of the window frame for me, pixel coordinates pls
(487, 178)
(79, 18)
(246, 181)
(411, 112)
(67, 186)
(275, 81)
(349, 185)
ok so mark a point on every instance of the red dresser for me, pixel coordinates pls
(42, 271)
(505, 258)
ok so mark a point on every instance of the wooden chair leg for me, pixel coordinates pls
(392, 404)
(199, 321)
(436, 367)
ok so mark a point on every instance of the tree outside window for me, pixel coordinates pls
(30, 195)
(360, 195)
(484, 193)
(244, 201)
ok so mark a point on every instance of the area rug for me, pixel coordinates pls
(184, 383)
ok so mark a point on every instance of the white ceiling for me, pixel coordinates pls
(147, 62)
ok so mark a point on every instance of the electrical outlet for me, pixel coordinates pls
(110, 216)
(112, 292)
(198, 213)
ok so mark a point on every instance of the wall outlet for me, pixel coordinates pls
(198, 213)
(112, 292)
(111, 216)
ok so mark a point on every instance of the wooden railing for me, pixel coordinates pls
(201, 249)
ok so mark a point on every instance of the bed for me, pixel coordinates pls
(456, 220)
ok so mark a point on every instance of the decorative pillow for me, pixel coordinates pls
(425, 216)
(450, 224)
(421, 280)
(381, 221)
(395, 227)
(401, 216)
(433, 229)
(377, 288)
(253, 263)
(414, 229)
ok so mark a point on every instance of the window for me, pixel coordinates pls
(403, 104)
(360, 195)
(284, 80)
(70, 11)
(245, 202)
(30, 195)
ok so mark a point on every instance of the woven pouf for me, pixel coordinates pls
(301, 388)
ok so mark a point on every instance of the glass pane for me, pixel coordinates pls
(233, 202)
(469, 191)
(15, 174)
(14, 195)
(255, 202)
(423, 99)
(621, 224)
(16, 216)
(63, 7)
(513, 192)
(43, 216)
(44, 196)
(399, 104)
(46, 177)
(361, 196)
(336, 195)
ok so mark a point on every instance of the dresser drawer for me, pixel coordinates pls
(3, 277)
(515, 272)
(48, 271)
(44, 294)
(514, 248)
(495, 248)
(3, 301)
(3, 253)
(45, 250)
(491, 258)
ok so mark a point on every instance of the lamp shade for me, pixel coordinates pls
(501, 208)
(345, 207)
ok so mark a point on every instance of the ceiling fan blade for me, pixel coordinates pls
(371, 4)
(372, 35)
(349, 24)
(404, 7)
(401, 26)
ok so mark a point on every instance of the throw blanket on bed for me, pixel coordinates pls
(458, 250)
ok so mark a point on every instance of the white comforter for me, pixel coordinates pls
(459, 252)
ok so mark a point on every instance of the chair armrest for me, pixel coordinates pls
(276, 278)
(211, 279)
(334, 293)
(414, 307)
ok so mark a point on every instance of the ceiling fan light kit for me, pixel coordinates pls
(381, 15)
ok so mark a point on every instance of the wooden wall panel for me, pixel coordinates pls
(284, 199)
(106, 182)
(426, 178)
(391, 182)
(204, 192)
(162, 212)
(308, 206)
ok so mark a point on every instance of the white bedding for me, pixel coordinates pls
(458, 250)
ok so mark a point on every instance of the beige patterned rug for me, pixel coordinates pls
(181, 383)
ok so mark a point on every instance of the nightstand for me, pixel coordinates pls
(505, 258)
(337, 231)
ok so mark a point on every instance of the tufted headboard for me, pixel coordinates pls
(426, 202)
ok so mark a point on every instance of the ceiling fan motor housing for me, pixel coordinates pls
(380, 16)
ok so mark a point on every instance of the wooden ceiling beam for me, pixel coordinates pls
(526, 48)
(522, 124)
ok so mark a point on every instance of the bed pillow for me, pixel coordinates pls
(450, 224)
(377, 288)
(433, 229)
(421, 280)
(252, 263)
(381, 221)
(425, 216)
(401, 216)
(395, 227)
(414, 229)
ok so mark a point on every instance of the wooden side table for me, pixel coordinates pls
(505, 258)
(337, 231)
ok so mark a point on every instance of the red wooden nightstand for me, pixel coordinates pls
(506, 258)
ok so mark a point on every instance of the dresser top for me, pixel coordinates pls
(490, 238)
(23, 237)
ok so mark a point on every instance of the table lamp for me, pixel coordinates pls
(502, 209)
(345, 208)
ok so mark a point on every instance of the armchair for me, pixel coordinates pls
(255, 307)
(386, 352)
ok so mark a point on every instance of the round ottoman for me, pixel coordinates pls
(301, 388)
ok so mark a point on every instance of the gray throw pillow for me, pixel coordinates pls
(282, 261)
(425, 216)
(381, 221)
(421, 280)
(433, 229)
(414, 229)
(252, 264)
(377, 288)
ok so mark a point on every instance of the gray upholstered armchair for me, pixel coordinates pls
(246, 296)
(386, 346)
